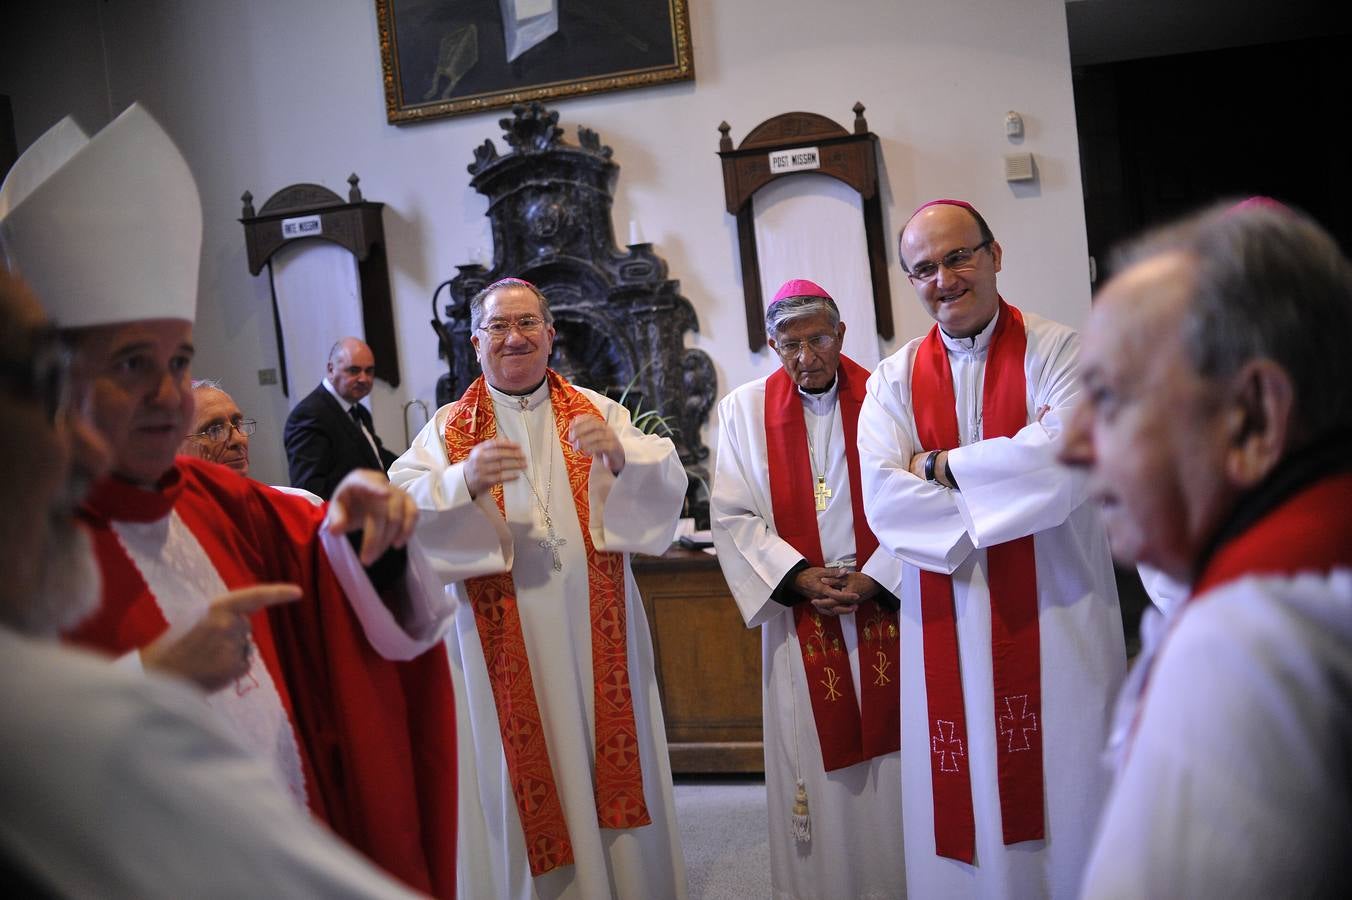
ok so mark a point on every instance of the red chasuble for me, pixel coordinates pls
(1015, 648)
(619, 776)
(376, 738)
(849, 732)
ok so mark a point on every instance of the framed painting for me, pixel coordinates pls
(451, 57)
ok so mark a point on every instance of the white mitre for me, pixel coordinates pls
(107, 229)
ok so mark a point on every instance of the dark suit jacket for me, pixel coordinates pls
(323, 444)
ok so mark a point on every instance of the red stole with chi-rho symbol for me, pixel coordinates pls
(619, 776)
(1015, 647)
(849, 732)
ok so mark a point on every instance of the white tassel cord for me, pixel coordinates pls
(801, 820)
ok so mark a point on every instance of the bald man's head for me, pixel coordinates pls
(352, 368)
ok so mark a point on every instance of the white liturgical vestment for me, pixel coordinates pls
(1237, 778)
(1232, 735)
(118, 785)
(855, 848)
(634, 512)
(1008, 488)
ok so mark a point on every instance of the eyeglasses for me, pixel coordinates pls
(44, 376)
(221, 430)
(819, 344)
(959, 260)
(500, 328)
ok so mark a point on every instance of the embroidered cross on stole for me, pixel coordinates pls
(849, 732)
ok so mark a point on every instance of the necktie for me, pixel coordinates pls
(362, 416)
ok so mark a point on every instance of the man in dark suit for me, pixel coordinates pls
(330, 433)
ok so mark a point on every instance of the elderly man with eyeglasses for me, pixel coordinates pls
(220, 433)
(1012, 644)
(534, 494)
(788, 521)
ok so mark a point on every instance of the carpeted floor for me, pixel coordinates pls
(724, 836)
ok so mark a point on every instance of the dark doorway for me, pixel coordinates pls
(1164, 135)
(9, 145)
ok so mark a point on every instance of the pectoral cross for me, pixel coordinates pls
(552, 544)
(821, 492)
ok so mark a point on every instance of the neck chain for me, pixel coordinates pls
(553, 542)
(820, 492)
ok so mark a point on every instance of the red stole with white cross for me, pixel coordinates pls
(619, 777)
(1015, 649)
(846, 735)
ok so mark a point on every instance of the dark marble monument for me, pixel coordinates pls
(620, 321)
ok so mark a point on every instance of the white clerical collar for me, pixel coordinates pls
(823, 403)
(977, 343)
(533, 399)
(333, 391)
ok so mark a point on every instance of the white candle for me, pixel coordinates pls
(635, 233)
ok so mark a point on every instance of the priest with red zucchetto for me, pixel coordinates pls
(1012, 644)
(787, 513)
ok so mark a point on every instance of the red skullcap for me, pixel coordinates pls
(944, 202)
(1258, 202)
(800, 287)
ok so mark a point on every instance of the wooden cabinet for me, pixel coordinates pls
(708, 663)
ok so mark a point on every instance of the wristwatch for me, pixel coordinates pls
(929, 466)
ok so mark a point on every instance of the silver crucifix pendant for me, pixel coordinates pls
(552, 545)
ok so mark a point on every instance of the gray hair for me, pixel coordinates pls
(476, 303)
(1269, 283)
(200, 383)
(782, 312)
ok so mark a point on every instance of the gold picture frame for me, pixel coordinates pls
(455, 57)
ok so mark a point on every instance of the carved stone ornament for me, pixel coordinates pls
(620, 321)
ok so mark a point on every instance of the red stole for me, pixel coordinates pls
(1015, 648)
(846, 736)
(619, 776)
(377, 738)
(1309, 532)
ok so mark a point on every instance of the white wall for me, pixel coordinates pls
(261, 93)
